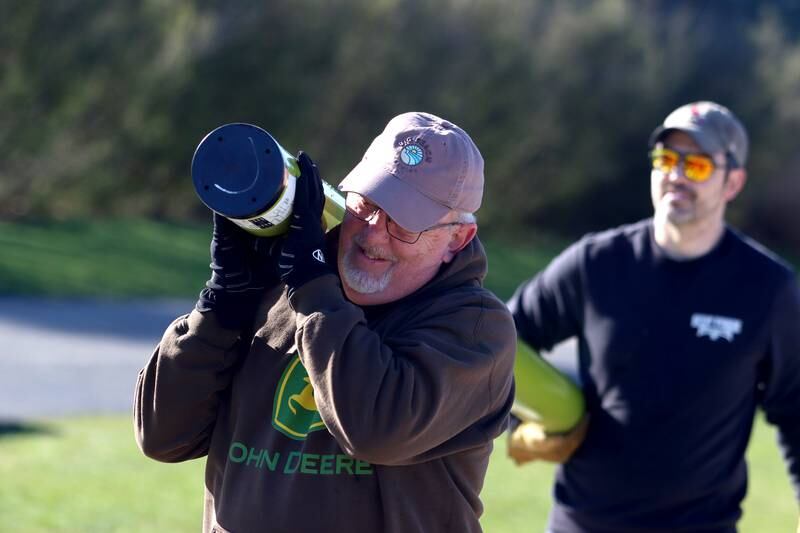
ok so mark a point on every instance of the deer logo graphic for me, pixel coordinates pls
(305, 399)
(294, 410)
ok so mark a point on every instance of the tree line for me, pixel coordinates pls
(103, 103)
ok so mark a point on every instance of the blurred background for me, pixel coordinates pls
(103, 240)
(103, 103)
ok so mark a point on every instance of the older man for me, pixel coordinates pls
(685, 328)
(361, 400)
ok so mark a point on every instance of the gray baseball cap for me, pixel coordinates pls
(419, 168)
(714, 127)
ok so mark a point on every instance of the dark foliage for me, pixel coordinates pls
(103, 103)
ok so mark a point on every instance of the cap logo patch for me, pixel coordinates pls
(412, 154)
(697, 116)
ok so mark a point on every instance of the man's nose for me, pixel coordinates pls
(376, 226)
(677, 173)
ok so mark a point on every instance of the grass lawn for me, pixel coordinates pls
(141, 258)
(87, 475)
(108, 259)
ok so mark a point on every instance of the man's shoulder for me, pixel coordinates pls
(466, 295)
(615, 240)
(455, 303)
(468, 314)
(602, 253)
(759, 257)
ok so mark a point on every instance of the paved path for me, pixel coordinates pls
(70, 357)
(65, 357)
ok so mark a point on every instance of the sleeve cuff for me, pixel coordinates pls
(206, 327)
(324, 292)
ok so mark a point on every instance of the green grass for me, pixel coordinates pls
(509, 264)
(140, 258)
(119, 258)
(87, 475)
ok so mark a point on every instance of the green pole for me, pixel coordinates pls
(543, 394)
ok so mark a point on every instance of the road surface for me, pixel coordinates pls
(69, 357)
(61, 357)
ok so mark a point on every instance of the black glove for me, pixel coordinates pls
(242, 266)
(302, 258)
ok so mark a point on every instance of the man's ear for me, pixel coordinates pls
(735, 183)
(461, 237)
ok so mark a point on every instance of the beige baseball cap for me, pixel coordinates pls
(419, 168)
(714, 127)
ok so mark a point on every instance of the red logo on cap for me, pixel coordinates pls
(697, 114)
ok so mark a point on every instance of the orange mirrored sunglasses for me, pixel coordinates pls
(696, 167)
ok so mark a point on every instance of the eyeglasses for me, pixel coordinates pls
(697, 167)
(363, 210)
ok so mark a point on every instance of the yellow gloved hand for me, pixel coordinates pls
(529, 442)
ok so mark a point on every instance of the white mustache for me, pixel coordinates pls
(361, 281)
(374, 252)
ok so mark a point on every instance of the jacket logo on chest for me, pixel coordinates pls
(715, 327)
(294, 411)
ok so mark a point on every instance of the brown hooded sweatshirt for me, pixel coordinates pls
(336, 418)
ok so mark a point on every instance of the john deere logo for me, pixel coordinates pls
(294, 411)
(412, 155)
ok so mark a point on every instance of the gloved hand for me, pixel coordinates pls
(302, 257)
(529, 442)
(242, 267)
